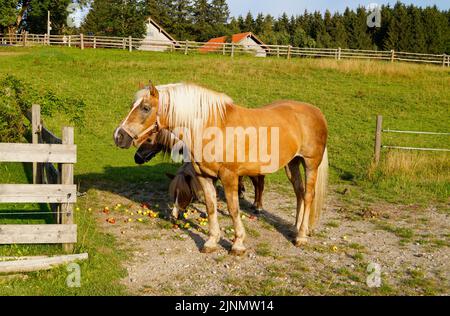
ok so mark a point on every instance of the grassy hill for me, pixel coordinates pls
(350, 93)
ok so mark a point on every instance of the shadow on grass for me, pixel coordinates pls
(145, 183)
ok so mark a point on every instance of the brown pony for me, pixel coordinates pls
(209, 123)
(184, 187)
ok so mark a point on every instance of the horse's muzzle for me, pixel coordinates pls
(140, 159)
(122, 139)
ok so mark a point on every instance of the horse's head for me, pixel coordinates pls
(142, 120)
(184, 188)
(147, 151)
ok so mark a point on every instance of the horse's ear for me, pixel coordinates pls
(152, 89)
(141, 85)
(170, 176)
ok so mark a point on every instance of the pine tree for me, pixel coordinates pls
(202, 23)
(241, 23)
(337, 32)
(233, 27)
(158, 11)
(320, 34)
(220, 13)
(259, 23)
(181, 20)
(418, 44)
(249, 23)
(116, 18)
(436, 24)
(267, 34)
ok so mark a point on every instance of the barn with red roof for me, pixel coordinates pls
(248, 41)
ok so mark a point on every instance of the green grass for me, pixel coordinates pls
(350, 93)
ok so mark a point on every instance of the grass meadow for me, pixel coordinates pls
(350, 93)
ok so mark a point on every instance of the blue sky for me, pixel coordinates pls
(276, 7)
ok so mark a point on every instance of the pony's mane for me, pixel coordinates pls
(188, 105)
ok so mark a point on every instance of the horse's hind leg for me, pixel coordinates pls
(230, 184)
(293, 173)
(211, 206)
(311, 168)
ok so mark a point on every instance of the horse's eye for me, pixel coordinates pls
(146, 109)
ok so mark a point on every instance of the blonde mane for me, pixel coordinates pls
(187, 105)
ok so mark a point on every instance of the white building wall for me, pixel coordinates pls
(162, 42)
(250, 44)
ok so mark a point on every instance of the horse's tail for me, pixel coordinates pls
(321, 191)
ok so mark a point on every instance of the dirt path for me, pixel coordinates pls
(410, 245)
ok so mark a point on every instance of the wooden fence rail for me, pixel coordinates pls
(129, 43)
(379, 145)
(53, 185)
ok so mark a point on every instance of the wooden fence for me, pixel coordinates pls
(379, 145)
(230, 49)
(50, 185)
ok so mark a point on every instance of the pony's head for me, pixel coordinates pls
(184, 188)
(141, 121)
(147, 151)
(163, 140)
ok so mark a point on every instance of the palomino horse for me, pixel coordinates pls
(184, 187)
(209, 122)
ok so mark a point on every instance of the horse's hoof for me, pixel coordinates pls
(208, 249)
(238, 251)
(301, 241)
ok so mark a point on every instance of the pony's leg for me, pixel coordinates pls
(211, 207)
(256, 187)
(241, 188)
(258, 184)
(311, 169)
(293, 173)
(259, 204)
(230, 183)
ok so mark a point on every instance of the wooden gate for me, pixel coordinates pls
(53, 185)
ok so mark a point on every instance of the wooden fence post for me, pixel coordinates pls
(25, 39)
(278, 51)
(130, 44)
(232, 49)
(378, 133)
(339, 53)
(289, 52)
(392, 55)
(36, 131)
(70, 41)
(444, 58)
(82, 41)
(224, 45)
(67, 178)
(95, 42)
(186, 49)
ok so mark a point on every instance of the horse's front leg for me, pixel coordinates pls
(209, 191)
(230, 183)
